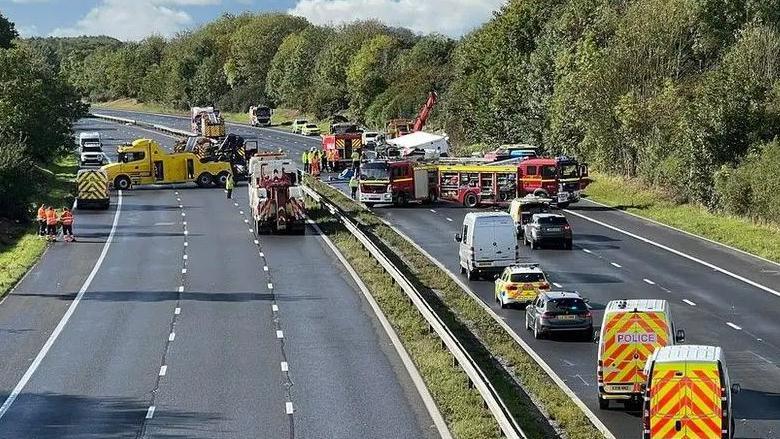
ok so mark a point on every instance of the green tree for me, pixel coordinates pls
(369, 71)
(7, 32)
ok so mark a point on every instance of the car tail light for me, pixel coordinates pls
(544, 286)
(566, 227)
(588, 314)
(511, 287)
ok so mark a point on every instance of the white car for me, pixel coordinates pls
(298, 125)
(370, 138)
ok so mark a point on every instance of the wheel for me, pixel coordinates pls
(503, 305)
(222, 178)
(587, 335)
(462, 270)
(403, 200)
(205, 180)
(541, 193)
(432, 197)
(567, 244)
(105, 204)
(527, 323)
(473, 274)
(537, 331)
(603, 403)
(470, 200)
(122, 182)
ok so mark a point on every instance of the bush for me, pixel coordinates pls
(239, 99)
(18, 177)
(752, 188)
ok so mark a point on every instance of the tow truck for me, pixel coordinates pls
(233, 149)
(275, 197)
(145, 162)
(396, 182)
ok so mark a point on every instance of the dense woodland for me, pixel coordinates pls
(683, 94)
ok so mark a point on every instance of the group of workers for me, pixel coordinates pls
(315, 161)
(49, 221)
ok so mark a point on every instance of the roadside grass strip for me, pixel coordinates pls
(512, 371)
(461, 405)
(762, 239)
(20, 247)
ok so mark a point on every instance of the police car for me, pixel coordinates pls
(520, 283)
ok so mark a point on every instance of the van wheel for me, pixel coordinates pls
(541, 193)
(462, 270)
(470, 200)
(603, 403)
(222, 178)
(473, 274)
(403, 200)
(204, 180)
(122, 183)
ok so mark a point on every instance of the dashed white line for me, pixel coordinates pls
(557, 285)
(449, 219)
(183, 271)
(262, 255)
(181, 207)
(270, 286)
(186, 243)
(186, 232)
(285, 367)
(235, 204)
(251, 230)
(265, 268)
(738, 328)
(586, 250)
(246, 220)
(288, 407)
(183, 214)
(648, 281)
(279, 334)
(184, 223)
(257, 242)
(171, 336)
(275, 308)
(177, 311)
(184, 257)
(240, 212)
(433, 210)
(150, 412)
(616, 265)
(181, 290)
(689, 302)
(163, 370)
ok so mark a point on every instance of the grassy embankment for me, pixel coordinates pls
(504, 361)
(281, 119)
(20, 246)
(762, 239)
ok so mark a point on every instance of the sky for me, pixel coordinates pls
(132, 20)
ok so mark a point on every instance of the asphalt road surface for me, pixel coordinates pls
(190, 329)
(719, 296)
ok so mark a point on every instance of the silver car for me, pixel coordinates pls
(559, 311)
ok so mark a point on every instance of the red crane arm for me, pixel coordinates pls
(425, 112)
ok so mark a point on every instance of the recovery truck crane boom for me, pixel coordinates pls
(425, 112)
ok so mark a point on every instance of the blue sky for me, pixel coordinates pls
(136, 19)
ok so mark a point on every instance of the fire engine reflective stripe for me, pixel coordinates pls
(538, 180)
(401, 180)
(92, 185)
(478, 168)
(629, 339)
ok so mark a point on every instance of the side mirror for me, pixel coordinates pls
(529, 308)
(735, 388)
(679, 336)
(458, 237)
(586, 300)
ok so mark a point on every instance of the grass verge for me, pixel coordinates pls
(20, 247)
(632, 196)
(461, 406)
(558, 408)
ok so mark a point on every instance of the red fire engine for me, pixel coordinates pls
(396, 182)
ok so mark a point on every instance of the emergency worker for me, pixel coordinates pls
(305, 160)
(41, 217)
(353, 186)
(66, 218)
(51, 224)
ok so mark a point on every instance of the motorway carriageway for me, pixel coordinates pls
(190, 328)
(737, 310)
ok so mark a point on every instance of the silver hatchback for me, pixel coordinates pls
(559, 311)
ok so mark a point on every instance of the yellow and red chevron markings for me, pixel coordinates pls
(687, 407)
(629, 339)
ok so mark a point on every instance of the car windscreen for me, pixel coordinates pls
(374, 171)
(548, 171)
(569, 171)
(567, 304)
(553, 220)
(91, 148)
(311, 125)
(526, 277)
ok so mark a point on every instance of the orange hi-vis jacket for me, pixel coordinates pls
(41, 214)
(51, 217)
(67, 218)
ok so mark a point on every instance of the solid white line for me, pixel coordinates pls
(181, 288)
(171, 336)
(614, 264)
(557, 285)
(177, 311)
(163, 370)
(586, 250)
(449, 219)
(150, 412)
(734, 326)
(279, 334)
(270, 286)
(288, 408)
(285, 366)
(689, 302)
(275, 308)
(678, 253)
(64, 320)
(648, 281)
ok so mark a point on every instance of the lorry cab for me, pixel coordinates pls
(687, 394)
(260, 115)
(487, 243)
(630, 331)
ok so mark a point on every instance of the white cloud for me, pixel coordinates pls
(449, 17)
(134, 20)
(27, 31)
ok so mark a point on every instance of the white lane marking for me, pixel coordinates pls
(64, 320)
(449, 219)
(164, 224)
(689, 302)
(678, 253)
(285, 367)
(171, 336)
(181, 289)
(184, 257)
(270, 286)
(184, 223)
(262, 255)
(648, 281)
(615, 264)
(240, 212)
(183, 214)
(150, 412)
(738, 328)
(177, 311)
(186, 243)
(274, 308)
(186, 232)
(163, 370)
(257, 242)
(433, 210)
(586, 250)
(288, 408)
(246, 220)
(251, 231)
(265, 268)
(181, 207)
(183, 271)
(557, 285)
(235, 204)
(175, 193)
(178, 199)
(279, 334)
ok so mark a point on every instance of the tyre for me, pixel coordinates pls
(462, 270)
(563, 205)
(470, 200)
(587, 335)
(204, 180)
(403, 199)
(603, 403)
(122, 183)
(541, 193)
(567, 244)
(105, 204)
(527, 323)
(222, 178)
(473, 274)
(503, 304)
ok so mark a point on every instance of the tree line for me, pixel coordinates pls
(37, 109)
(683, 94)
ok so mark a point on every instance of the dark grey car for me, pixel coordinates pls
(559, 311)
(545, 228)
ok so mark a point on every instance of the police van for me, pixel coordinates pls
(630, 332)
(687, 394)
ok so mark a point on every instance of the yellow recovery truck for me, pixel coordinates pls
(145, 162)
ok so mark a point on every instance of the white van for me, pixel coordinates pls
(488, 243)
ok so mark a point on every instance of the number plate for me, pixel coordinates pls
(568, 317)
(619, 388)
(554, 229)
